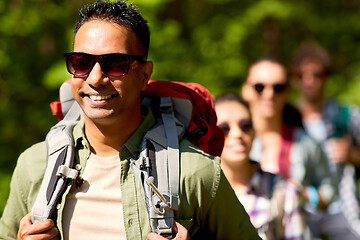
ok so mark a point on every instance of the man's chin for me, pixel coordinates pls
(99, 116)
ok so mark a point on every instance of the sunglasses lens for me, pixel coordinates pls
(279, 88)
(79, 64)
(225, 128)
(115, 65)
(245, 125)
(112, 64)
(259, 87)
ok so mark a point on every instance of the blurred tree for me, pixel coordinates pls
(211, 42)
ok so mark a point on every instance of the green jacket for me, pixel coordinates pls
(208, 207)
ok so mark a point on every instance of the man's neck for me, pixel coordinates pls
(264, 125)
(311, 109)
(106, 139)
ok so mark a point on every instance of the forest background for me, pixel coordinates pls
(211, 42)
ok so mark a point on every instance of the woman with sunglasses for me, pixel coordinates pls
(281, 144)
(272, 203)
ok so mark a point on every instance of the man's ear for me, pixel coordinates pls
(148, 69)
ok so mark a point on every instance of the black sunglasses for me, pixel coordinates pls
(278, 87)
(112, 64)
(245, 125)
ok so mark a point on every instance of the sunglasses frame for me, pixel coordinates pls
(277, 87)
(100, 59)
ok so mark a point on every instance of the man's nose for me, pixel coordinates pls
(235, 132)
(308, 77)
(97, 77)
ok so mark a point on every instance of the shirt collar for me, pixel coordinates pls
(132, 145)
(78, 135)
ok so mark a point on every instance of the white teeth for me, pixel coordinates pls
(99, 97)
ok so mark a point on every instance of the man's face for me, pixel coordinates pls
(266, 89)
(310, 80)
(104, 98)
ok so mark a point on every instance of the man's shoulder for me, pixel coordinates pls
(35, 152)
(190, 154)
(198, 166)
(33, 160)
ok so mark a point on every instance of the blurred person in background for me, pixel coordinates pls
(272, 203)
(281, 145)
(337, 128)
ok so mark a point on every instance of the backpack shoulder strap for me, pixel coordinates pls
(60, 160)
(157, 168)
(341, 121)
(60, 108)
(172, 138)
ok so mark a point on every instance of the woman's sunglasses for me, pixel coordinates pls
(278, 87)
(245, 125)
(112, 64)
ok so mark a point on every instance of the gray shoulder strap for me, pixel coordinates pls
(159, 175)
(172, 138)
(60, 160)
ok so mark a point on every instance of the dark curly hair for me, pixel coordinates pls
(117, 12)
(311, 51)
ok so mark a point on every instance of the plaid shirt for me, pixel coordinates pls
(274, 207)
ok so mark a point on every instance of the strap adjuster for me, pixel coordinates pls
(66, 172)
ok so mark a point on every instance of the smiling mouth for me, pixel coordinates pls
(98, 97)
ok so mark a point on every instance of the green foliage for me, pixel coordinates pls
(4, 188)
(211, 42)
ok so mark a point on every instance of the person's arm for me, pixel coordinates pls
(181, 233)
(227, 218)
(16, 207)
(343, 149)
(24, 186)
(44, 230)
(354, 155)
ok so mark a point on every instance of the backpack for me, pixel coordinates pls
(181, 110)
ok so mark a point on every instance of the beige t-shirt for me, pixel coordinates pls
(94, 210)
